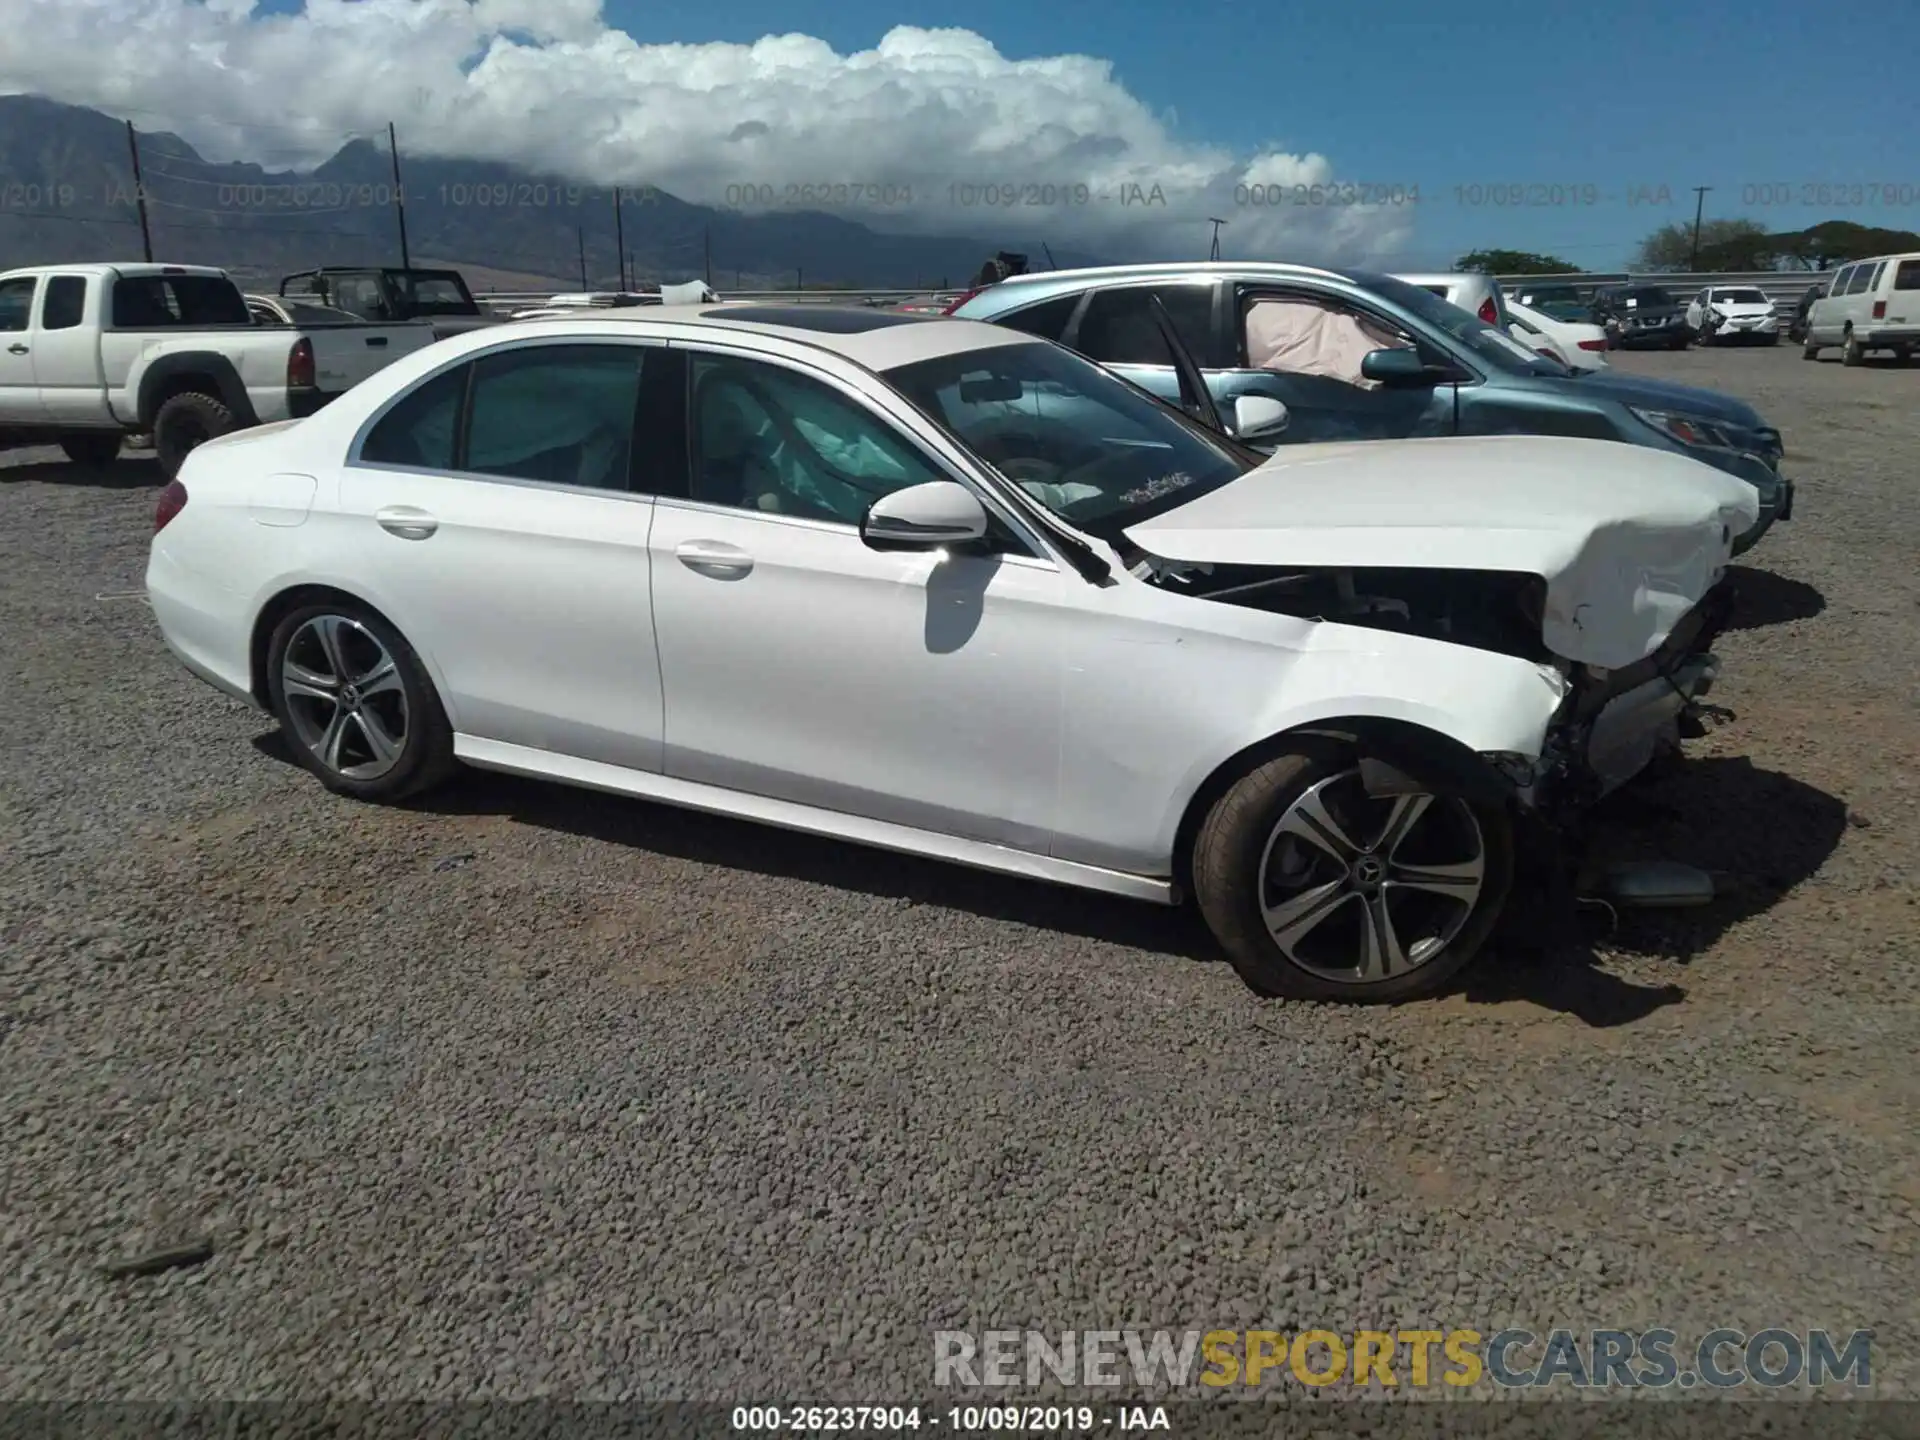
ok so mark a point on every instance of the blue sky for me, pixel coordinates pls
(1619, 96)
(1544, 106)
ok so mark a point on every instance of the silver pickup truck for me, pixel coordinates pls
(90, 354)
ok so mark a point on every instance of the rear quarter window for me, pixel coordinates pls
(1907, 277)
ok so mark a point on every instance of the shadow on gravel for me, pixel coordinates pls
(131, 472)
(740, 845)
(1764, 598)
(1759, 832)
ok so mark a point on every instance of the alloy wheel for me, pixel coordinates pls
(1358, 889)
(345, 697)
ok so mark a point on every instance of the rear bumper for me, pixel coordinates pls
(1873, 336)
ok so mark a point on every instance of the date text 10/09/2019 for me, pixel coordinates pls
(1024, 1419)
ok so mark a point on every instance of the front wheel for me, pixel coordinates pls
(1809, 350)
(355, 703)
(1319, 891)
(1678, 340)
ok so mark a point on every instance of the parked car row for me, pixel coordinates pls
(949, 586)
(1869, 305)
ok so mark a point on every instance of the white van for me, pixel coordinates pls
(1871, 305)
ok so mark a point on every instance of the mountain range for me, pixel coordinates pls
(67, 193)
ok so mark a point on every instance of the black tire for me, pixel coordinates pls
(1809, 350)
(424, 755)
(1852, 352)
(1678, 340)
(1230, 876)
(92, 447)
(184, 421)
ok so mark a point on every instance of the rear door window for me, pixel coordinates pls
(1907, 277)
(65, 303)
(1119, 328)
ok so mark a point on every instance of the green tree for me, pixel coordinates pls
(1513, 262)
(1724, 245)
(1835, 242)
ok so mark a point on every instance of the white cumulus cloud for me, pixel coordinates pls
(1052, 148)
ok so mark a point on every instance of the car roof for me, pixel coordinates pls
(1442, 277)
(873, 338)
(1165, 268)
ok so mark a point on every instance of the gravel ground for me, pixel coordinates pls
(538, 1092)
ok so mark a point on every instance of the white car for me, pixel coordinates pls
(941, 587)
(1871, 305)
(1473, 292)
(1575, 344)
(1733, 312)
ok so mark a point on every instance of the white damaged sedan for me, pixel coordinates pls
(944, 588)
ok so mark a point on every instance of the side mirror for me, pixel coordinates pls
(924, 517)
(1259, 417)
(1397, 366)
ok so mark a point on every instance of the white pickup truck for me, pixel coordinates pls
(90, 354)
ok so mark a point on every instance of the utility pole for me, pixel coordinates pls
(1052, 264)
(620, 239)
(1699, 204)
(1216, 236)
(399, 197)
(580, 239)
(706, 248)
(799, 278)
(140, 192)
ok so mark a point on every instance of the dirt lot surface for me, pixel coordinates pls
(530, 1091)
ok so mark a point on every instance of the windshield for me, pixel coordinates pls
(1741, 297)
(434, 294)
(1495, 347)
(1097, 451)
(1649, 297)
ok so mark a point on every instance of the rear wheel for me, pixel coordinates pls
(185, 422)
(355, 703)
(1320, 891)
(92, 447)
(1852, 352)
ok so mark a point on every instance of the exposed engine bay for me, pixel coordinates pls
(1487, 609)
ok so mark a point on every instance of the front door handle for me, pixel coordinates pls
(406, 522)
(715, 558)
(17, 349)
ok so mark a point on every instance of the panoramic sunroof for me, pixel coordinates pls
(828, 319)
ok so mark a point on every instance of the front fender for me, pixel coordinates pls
(1207, 701)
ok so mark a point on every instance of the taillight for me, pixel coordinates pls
(1879, 309)
(956, 304)
(1593, 344)
(300, 365)
(173, 499)
(1489, 311)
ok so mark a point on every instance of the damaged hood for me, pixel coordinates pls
(1627, 538)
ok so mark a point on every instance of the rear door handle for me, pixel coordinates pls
(377, 341)
(17, 349)
(406, 522)
(714, 557)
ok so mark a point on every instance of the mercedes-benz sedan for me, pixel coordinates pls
(945, 588)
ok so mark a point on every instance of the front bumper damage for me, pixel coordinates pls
(1611, 726)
